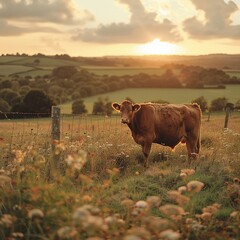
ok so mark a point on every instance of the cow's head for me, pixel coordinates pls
(127, 109)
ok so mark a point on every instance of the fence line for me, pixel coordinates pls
(73, 127)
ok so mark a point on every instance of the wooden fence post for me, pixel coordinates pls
(55, 124)
(53, 173)
(227, 117)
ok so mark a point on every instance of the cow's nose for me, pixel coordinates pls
(125, 120)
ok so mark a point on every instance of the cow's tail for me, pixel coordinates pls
(198, 146)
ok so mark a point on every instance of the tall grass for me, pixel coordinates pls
(94, 186)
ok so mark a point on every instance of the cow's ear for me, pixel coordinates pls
(116, 106)
(136, 107)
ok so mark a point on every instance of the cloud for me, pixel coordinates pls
(142, 28)
(7, 29)
(52, 43)
(30, 12)
(217, 23)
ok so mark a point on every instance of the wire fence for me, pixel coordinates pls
(38, 129)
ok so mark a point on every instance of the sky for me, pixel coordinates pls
(119, 27)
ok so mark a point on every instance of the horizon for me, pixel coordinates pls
(120, 56)
(131, 27)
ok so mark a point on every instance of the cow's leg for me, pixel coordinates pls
(198, 145)
(146, 148)
(193, 147)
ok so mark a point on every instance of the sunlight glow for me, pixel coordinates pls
(158, 47)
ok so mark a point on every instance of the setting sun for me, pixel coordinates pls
(158, 47)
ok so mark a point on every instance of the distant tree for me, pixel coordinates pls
(55, 90)
(8, 95)
(234, 80)
(16, 100)
(36, 61)
(15, 85)
(229, 106)
(39, 55)
(24, 81)
(98, 107)
(19, 107)
(36, 101)
(76, 95)
(102, 106)
(64, 71)
(24, 90)
(87, 90)
(108, 108)
(5, 84)
(202, 102)
(218, 104)
(78, 107)
(170, 79)
(63, 56)
(4, 106)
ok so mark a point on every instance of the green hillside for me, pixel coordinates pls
(31, 65)
(41, 65)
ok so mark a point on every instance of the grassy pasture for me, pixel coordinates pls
(7, 59)
(10, 69)
(233, 73)
(46, 62)
(113, 71)
(121, 71)
(172, 95)
(100, 199)
(51, 63)
(26, 66)
(36, 72)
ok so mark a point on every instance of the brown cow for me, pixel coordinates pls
(165, 124)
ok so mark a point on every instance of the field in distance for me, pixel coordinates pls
(172, 95)
(40, 65)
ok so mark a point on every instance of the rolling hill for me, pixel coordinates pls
(40, 65)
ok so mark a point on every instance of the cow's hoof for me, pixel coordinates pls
(146, 165)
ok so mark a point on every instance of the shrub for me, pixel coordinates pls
(4, 106)
(202, 102)
(218, 104)
(102, 106)
(78, 107)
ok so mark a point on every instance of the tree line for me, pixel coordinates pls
(69, 84)
(103, 106)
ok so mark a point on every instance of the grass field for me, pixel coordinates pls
(172, 95)
(126, 71)
(9, 69)
(23, 66)
(93, 185)
(233, 73)
(8, 66)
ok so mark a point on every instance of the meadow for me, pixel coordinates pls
(121, 71)
(26, 66)
(172, 95)
(92, 184)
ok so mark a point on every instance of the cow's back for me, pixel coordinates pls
(167, 123)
